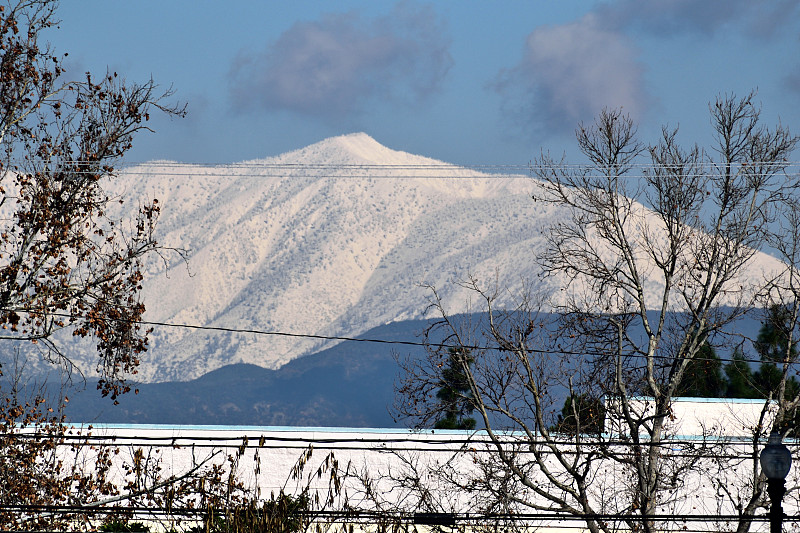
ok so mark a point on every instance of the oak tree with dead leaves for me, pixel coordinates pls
(65, 262)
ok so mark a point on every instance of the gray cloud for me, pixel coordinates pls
(571, 72)
(667, 17)
(792, 80)
(334, 66)
(761, 18)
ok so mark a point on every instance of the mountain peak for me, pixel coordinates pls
(354, 149)
(357, 143)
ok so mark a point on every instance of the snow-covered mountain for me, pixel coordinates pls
(332, 239)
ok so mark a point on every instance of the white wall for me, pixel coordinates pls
(381, 454)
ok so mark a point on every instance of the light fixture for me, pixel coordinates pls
(776, 460)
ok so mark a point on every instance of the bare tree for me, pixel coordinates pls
(64, 261)
(783, 295)
(653, 254)
(781, 302)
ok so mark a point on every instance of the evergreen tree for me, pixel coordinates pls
(703, 377)
(767, 378)
(772, 343)
(740, 378)
(590, 418)
(455, 394)
(773, 347)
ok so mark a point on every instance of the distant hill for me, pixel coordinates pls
(348, 385)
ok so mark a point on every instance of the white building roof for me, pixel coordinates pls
(701, 417)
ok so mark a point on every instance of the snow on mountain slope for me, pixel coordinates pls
(331, 239)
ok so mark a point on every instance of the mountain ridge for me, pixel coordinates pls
(328, 240)
(352, 384)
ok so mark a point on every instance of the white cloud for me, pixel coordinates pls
(571, 72)
(342, 62)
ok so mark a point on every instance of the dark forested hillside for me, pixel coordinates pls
(349, 385)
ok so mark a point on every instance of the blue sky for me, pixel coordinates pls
(466, 82)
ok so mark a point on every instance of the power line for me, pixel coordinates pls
(375, 517)
(258, 438)
(266, 163)
(544, 351)
(419, 344)
(257, 169)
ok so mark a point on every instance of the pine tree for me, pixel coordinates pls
(455, 394)
(703, 376)
(773, 337)
(773, 347)
(740, 378)
(590, 417)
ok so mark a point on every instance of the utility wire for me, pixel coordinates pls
(375, 517)
(679, 448)
(543, 351)
(266, 163)
(376, 170)
(253, 438)
(421, 344)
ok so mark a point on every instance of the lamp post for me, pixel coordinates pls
(775, 462)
